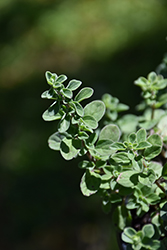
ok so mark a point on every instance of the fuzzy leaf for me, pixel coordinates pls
(110, 132)
(52, 113)
(79, 109)
(155, 149)
(103, 147)
(164, 171)
(95, 109)
(61, 79)
(90, 183)
(121, 157)
(83, 94)
(55, 140)
(67, 93)
(64, 124)
(51, 78)
(127, 178)
(69, 148)
(141, 135)
(90, 121)
(74, 84)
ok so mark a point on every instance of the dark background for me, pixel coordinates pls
(106, 44)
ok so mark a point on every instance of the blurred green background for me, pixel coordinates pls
(106, 44)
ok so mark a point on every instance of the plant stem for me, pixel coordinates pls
(162, 188)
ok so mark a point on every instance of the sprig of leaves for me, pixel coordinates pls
(124, 161)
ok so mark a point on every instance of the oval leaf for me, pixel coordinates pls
(69, 148)
(74, 84)
(110, 132)
(95, 109)
(84, 94)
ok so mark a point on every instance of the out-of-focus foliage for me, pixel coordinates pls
(38, 34)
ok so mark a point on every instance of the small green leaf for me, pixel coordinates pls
(110, 132)
(52, 113)
(90, 121)
(128, 235)
(61, 79)
(155, 149)
(74, 84)
(64, 124)
(95, 109)
(132, 138)
(67, 93)
(118, 146)
(103, 147)
(83, 94)
(141, 135)
(121, 157)
(55, 140)
(90, 183)
(49, 94)
(142, 145)
(164, 171)
(69, 148)
(128, 123)
(51, 78)
(86, 164)
(79, 109)
(127, 178)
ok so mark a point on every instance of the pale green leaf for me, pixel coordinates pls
(69, 148)
(110, 132)
(74, 84)
(95, 109)
(83, 94)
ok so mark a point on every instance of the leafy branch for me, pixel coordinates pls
(125, 161)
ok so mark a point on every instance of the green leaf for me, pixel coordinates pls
(141, 135)
(55, 140)
(83, 135)
(95, 109)
(61, 79)
(128, 234)
(110, 132)
(103, 147)
(49, 94)
(121, 157)
(142, 145)
(74, 84)
(64, 124)
(132, 138)
(157, 168)
(162, 125)
(67, 93)
(83, 94)
(52, 113)
(86, 164)
(79, 109)
(128, 123)
(155, 149)
(118, 146)
(92, 139)
(127, 178)
(51, 78)
(90, 121)
(164, 171)
(122, 107)
(90, 183)
(121, 217)
(69, 148)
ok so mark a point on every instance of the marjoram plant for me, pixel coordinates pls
(124, 157)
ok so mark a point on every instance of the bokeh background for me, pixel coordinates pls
(106, 44)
